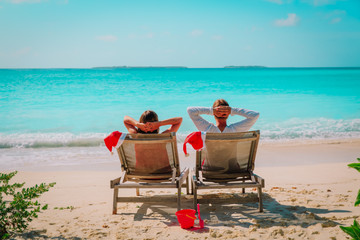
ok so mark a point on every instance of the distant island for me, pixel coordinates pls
(165, 67)
(244, 67)
(127, 67)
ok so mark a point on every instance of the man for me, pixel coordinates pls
(221, 111)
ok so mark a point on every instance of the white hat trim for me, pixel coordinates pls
(121, 140)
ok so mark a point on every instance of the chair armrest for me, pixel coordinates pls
(118, 180)
(260, 180)
(201, 176)
(182, 177)
(173, 177)
(200, 179)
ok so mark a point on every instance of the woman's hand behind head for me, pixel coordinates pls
(143, 127)
(152, 126)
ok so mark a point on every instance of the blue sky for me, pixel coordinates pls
(89, 33)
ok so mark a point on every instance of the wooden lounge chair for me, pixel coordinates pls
(227, 162)
(149, 161)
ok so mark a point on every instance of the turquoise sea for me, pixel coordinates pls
(44, 110)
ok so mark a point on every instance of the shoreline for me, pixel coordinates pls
(299, 142)
(99, 158)
(71, 140)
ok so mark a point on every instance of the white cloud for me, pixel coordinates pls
(292, 20)
(149, 35)
(335, 16)
(336, 20)
(321, 2)
(280, 2)
(24, 1)
(107, 38)
(248, 48)
(275, 1)
(217, 37)
(196, 33)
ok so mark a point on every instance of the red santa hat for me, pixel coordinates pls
(114, 140)
(196, 140)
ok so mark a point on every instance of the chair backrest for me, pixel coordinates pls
(149, 154)
(229, 153)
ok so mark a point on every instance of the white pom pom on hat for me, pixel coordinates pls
(114, 140)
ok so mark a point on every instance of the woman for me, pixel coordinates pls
(149, 123)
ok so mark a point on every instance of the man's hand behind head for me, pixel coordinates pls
(222, 112)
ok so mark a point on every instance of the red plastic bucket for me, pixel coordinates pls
(186, 217)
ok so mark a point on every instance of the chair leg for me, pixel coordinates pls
(243, 190)
(137, 192)
(260, 199)
(187, 186)
(192, 179)
(194, 190)
(116, 191)
(179, 198)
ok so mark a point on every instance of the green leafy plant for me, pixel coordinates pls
(17, 207)
(357, 167)
(354, 230)
(357, 202)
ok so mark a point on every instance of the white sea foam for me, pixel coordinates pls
(30, 150)
(311, 129)
(50, 140)
(294, 129)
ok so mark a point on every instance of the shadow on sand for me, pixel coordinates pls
(40, 234)
(237, 210)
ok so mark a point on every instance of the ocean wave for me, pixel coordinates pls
(311, 129)
(51, 140)
(294, 129)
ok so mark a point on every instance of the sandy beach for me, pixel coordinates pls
(309, 193)
(73, 73)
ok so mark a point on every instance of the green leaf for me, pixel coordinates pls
(353, 230)
(5, 236)
(356, 224)
(356, 231)
(358, 159)
(356, 228)
(349, 231)
(355, 166)
(357, 202)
